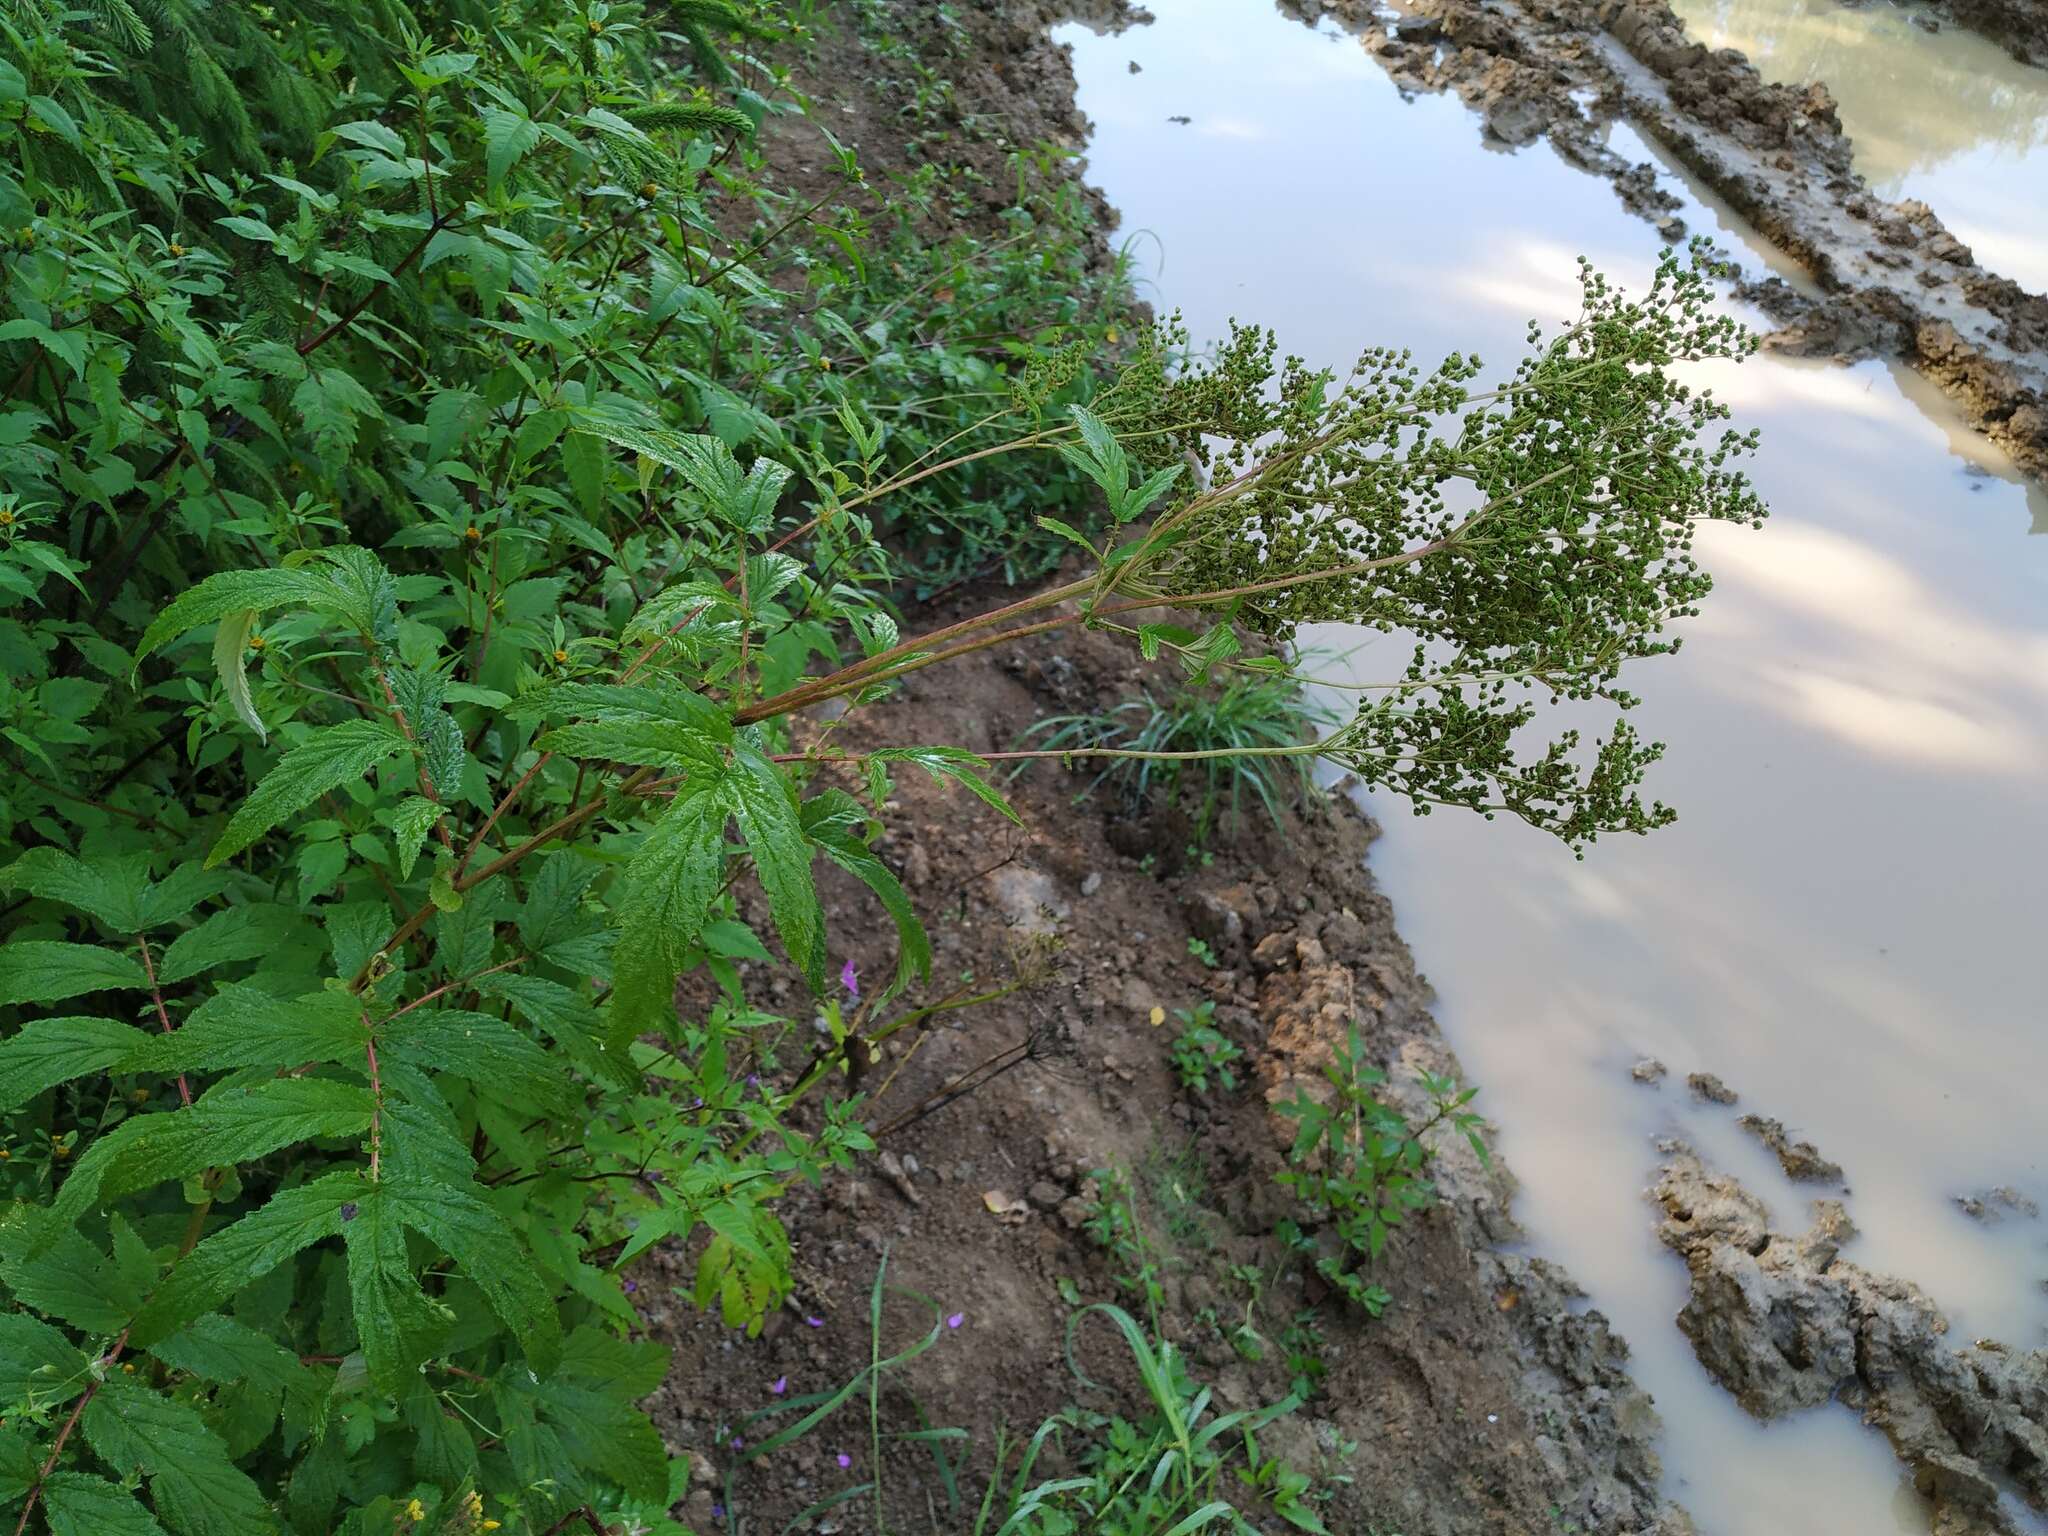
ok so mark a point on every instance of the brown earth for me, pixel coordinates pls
(1888, 277)
(1485, 1399)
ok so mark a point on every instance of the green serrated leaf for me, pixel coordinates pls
(234, 1122)
(465, 1227)
(246, 1026)
(230, 656)
(231, 592)
(329, 758)
(37, 1363)
(410, 824)
(44, 970)
(249, 1249)
(110, 890)
(226, 936)
(772, 826)
(508, 137)
(955, 763)
(197, 1490)
(669, 887)
(46, 1052)
(78, 1504)
(399, 1327)
(479, 1049)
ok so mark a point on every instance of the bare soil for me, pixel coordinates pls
(1485, 1399)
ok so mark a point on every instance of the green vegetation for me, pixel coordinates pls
(442, 463)
(1178, 1467)
(1356, 1165)
(1205, 737)
(1201, 1051)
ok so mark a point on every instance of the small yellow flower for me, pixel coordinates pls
(825, 363)
(128, 1367)
(6, 518)
(5, 1155)
(560, 657)
(473, 534)
(650, 190)
(1158, 1016)
(596, 29)
(138, 1095)
(414, 1510)
(177, 249)
(257, 642)
(1110, 335)
(59, 1151)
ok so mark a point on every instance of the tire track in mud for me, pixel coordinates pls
(1889, 278)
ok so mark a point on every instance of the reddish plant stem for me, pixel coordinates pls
(156, 996)
(376, 1100)
(50, 1463)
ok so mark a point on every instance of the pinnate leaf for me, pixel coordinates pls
(197, 1490)
(79, 1504)
(249, 1249)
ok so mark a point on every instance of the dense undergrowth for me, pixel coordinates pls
(442, 468)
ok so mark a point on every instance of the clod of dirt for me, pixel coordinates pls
(1709, 1089)
(1997, 1203)
(1784, 1323)
(1801, 1160)
(1649, 1070)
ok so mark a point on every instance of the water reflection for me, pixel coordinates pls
(1844, 923)
(1948, 118)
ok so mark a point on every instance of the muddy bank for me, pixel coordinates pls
(1489, 1398)
(2020, 27)
(1887, 278)
(1785, 1323)
(1485, 1397)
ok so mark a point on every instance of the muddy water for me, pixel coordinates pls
(1846, 921)
(1950, 119)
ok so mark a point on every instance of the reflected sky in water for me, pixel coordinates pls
(1948, 118)
(1845, 922)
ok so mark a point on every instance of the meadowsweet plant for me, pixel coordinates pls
(442, 474)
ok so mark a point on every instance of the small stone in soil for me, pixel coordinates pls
(1648, 1070)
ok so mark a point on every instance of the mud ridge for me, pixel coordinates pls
(1888, 278)
(1785, 1323)
(2020, 27)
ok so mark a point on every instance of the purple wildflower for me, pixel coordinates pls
(814, 1322)
(718, 1511)
(738, 1443)
(956, 1319)
(781, 1385)
(632, 1286)
(849, 978)
(845, 1460)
